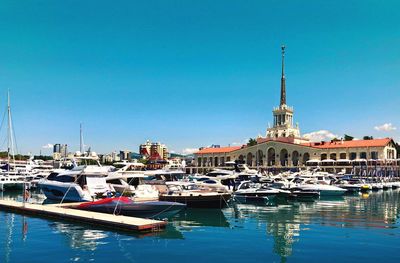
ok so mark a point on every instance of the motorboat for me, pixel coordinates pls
(132, 184)
(77, 185)
(11, 182)
(190, 194)
(249, 191)
(211, 184)
(127, 207)
(353, 185)
(323, 189)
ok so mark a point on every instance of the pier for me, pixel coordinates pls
(87, 217)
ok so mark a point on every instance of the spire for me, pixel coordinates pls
(283, 81)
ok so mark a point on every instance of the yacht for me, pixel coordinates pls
(82, 183)
(190, 194)
(249, 191)
(11, 182)
(323, 189)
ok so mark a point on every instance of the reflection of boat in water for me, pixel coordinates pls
(79, 237)
(127, 207)
(201, 218)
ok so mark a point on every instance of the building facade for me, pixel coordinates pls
(60, 151)
(150, 150)
(283, 145)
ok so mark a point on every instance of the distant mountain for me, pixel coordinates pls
(176, 155)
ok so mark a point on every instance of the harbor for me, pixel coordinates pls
(199, 131)
(278, 232)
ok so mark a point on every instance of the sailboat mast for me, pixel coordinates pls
(82, 150)
(10, 143)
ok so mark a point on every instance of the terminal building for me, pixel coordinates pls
(284, 147)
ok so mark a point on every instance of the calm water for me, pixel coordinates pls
(353, 228)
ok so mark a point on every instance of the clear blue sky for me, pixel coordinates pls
(195, 73)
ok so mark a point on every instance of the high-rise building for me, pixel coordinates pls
(151, 150)
(60, 151)
(125, 155)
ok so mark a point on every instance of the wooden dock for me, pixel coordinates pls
(118, 222)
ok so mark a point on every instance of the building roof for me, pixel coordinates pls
(218, 150)
(350, 144)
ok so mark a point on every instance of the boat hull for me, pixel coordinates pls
(60, 192)
(199, 201)
(156, 210)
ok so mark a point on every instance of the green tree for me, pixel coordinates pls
(252, 142)
(348, 137)
(368, 138)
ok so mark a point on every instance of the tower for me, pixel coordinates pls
(283, 114)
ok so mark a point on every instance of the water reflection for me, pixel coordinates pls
(79, 237)
(285, 222)
(192, 218)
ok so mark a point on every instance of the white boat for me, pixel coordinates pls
(11, 182)
(323, 189)
(83, 183)
(249, 191)
(134, 184)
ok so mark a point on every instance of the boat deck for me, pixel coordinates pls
(106, 220)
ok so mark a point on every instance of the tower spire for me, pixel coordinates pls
(283, 81)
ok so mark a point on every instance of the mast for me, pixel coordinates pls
(283, 80)
(10, 135)
(81, 147)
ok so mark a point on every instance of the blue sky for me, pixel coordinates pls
(195, 73)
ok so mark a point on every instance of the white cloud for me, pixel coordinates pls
(245, 141)
(47, 146)
(190, 150)
(322, 135)
(385, 127)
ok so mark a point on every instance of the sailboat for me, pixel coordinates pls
(9, 179)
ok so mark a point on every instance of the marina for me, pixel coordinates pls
(278, 232)
(199, 131)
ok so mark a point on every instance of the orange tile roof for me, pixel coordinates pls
(350, 144)
(218, 150)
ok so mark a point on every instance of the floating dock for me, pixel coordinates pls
(118, 222)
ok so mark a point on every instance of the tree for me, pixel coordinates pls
(348, 137)
(252, 142)
(368, 138)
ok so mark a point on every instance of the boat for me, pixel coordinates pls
(127, 207)
(82, 183)
(249, 191)
(11, 182)
(190, 194)
(323, 189)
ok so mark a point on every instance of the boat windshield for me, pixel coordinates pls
(65, 179)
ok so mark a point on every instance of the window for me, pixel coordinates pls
(363, 155)
(65, 179)
(374, 155)
(353, 156)
(114, 181)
